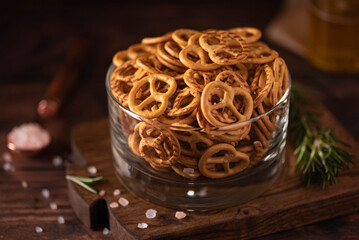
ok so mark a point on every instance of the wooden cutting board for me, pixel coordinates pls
(288, 204)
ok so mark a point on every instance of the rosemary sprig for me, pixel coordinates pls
(318, 155)
(85, 182)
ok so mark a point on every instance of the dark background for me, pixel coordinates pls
(34, 39)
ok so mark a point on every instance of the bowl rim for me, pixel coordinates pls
(228, 127)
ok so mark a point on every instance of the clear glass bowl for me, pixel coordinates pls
(169, 188)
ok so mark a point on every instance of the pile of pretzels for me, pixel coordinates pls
(212, 81)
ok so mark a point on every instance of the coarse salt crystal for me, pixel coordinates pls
(106, 231)
(61, 220)
(38, 229)
(92, 169)
(57, 161)
(116, 192)
(29, 136)
(7, 157)
(24, 184)
(45, 193)
(102, 193)
(114, 205)
(151, 213)
(180, 215)
(142, 225)
(123, 201)
(53, 206)
(8, 167)
(188, 171)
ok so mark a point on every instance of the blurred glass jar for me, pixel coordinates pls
(333, 44)
(184, 185)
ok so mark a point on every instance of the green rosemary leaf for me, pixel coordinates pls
(318, 155)
(85, 182)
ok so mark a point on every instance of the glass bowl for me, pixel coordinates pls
(204, 177)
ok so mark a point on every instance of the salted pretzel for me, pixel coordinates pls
(172, 48)
(241, 69)
(218, 88)
(120, 57)
(141, 108)
(155, 40)
(120, 90)
(184, 119)
(195, 143)
(196, 58)
(188, 161)
(248, 34)
(170, 65)
(260, 53)
(224, 47)
(128, 72)
(226, 157)
(138, 50)
(233, 79)
(157, 146)
(162, 53)
(261, 84)
(258, 152)
(198, 79)
(181, 36)
(281, 75)
(185, 102)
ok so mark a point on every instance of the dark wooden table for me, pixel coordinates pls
(34, 39)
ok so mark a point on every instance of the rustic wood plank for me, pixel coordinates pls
(288, 204)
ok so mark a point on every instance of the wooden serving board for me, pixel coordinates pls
(288, 204)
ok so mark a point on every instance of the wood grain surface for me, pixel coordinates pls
(35, 36)
(288, 204)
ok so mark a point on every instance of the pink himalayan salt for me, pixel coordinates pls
(180, 215)
(29, 136)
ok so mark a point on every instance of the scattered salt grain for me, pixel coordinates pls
(8, 167)
(45, 193)
(114, 205)
(24, 184)
(142, 225)
(7, 157)
(180, 215)
(53, 206)
(106, 231)
(92, 169)
(29, 136)
(151, 213)
(202, 192)
(57, 161)
(188, 171)
(116, 192)
(123, 201)
(61, 220)
(102, 193)
(38, 229)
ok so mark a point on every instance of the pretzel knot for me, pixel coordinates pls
(218, 97)
(222, 160)
(261, 84)
(157, 146)
(249, 34)
(185, 102)
(224, 47)
(194, 57)
(233, 79)
(148, 108)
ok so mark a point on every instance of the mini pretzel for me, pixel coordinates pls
(162, 53)
(157, 146)
(128, 72)
(249, 34)
(184, 119)
(185, 102)
(139, 50)
(155, 40)
(259, 151)
(196, 143)
(155, 96)
(260, 53)
(201, 62)
(224, 47)
(262, 83)
(194, 39)
(230, 162)
(120, 90)
(170, 65)
(120, 57)
(280, 72)
(187, 161)
(229, 94)
(134, 141)
(172, 48)
(181, 36)
(241, 69)
(179, 169)
(233, 79)
(197, 79)
(235, 135)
